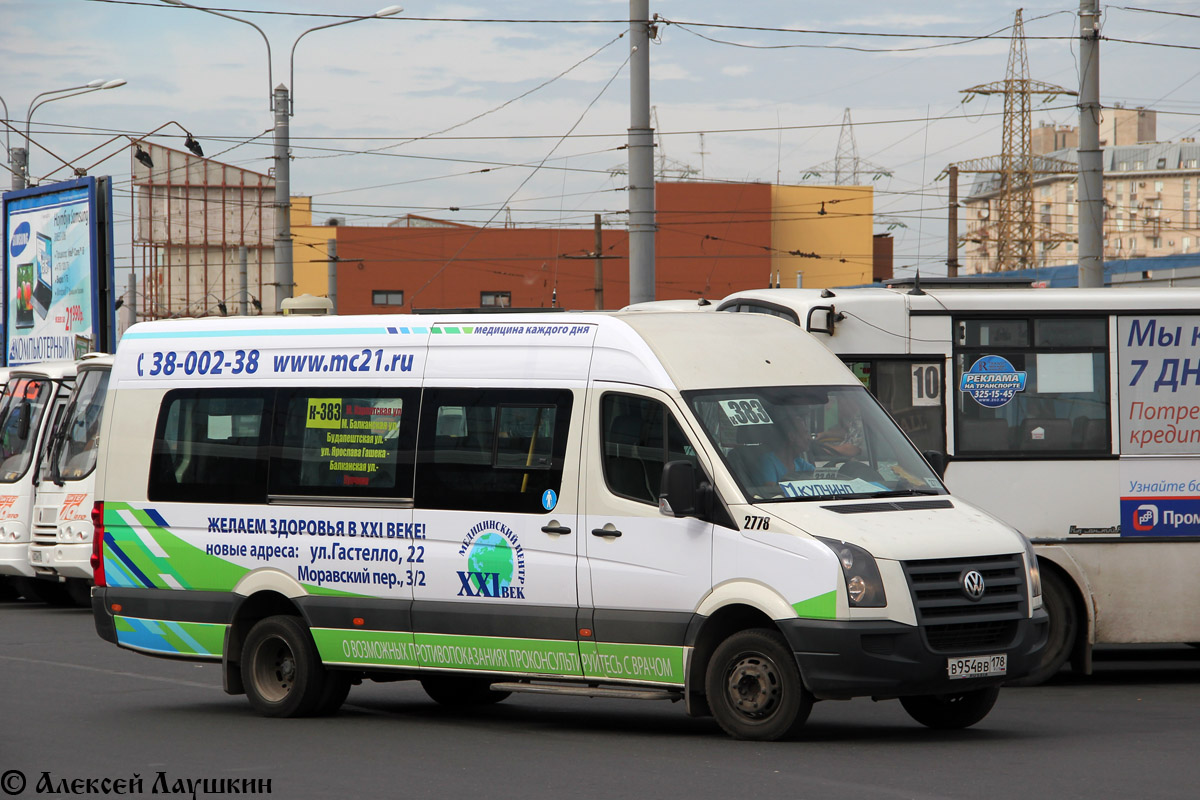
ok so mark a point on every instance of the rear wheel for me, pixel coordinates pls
(451, 690)
(951, 711)
(80, 591)
(754, 687)
(7, 591)
(281, 670)
(1063, 626)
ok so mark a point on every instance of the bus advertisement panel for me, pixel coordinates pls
(57, 267)
(1159, 385)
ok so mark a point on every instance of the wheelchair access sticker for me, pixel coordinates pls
(993, 381)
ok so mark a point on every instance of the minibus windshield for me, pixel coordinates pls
(20, 413)
(75, 457)
(787, 443)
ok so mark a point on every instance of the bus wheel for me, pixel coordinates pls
(951, 711)
(448, 690)
(281, 670)
(754, 686)
(7, 592)
(1062, 633)
(80, 592)
(38, 590)
(334, 693)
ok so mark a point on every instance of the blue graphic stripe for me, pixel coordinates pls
(125, 560)
(156, 518)
(408, 330)
(239, 334)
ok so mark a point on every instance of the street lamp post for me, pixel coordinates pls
(282, 108)
(18, 157)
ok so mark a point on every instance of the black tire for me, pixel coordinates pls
(281, 670)
(40, 591)
(951, 711)
(80, 592)
(461, 691)
(7, 590)
(1062, 635)
(754, 688)
(337, 687)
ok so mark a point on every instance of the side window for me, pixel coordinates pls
(639, 436)
(1032, 387)
(210, 446)
(912, 392)
(344, 442)
(491, 449)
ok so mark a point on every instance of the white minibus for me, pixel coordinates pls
(34, 401)
(621, 505)
(61, 548)
(1072, 414)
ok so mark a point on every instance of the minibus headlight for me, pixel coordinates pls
(1035, 572)
(864, 586)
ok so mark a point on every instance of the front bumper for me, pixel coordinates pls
(14, 559)
(63, 560)
(843, 659)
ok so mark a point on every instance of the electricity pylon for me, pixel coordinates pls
(1014, 225)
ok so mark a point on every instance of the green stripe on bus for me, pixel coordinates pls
(823, 606)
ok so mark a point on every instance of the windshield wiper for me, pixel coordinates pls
(905, 492)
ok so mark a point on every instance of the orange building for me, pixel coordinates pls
(713, 239)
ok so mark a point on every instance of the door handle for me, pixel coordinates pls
(606, 532)
(554, 527)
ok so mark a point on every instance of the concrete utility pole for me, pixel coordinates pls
(243, 287)
(641, 158)
(599, 276)
(952, 220)
(1091, 158)
(331, 292)
(283, 200)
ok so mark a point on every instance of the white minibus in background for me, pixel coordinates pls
(1071, 414)
(596, 504)
(61, 550)
(35, 399)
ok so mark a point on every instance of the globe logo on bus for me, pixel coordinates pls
(490, 555)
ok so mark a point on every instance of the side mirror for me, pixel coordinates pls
(25, 421)
(937, 461)
(677, 496)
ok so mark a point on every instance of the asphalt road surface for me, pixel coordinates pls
(76, 709)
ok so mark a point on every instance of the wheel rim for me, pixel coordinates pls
(753, 686)
(274, 669)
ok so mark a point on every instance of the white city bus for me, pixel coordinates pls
(61, 548)
(1072, 414)
(35, 398)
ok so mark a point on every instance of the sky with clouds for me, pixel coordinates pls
(442, 107)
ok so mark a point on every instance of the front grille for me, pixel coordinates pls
(952, 621)
(45, 535)
(970, 635)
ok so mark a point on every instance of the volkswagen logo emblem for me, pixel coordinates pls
(972, 584)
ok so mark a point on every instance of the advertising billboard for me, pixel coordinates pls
(58, 271)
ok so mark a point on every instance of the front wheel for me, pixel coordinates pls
(951, 711)
(754, 687)
(281, 670)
